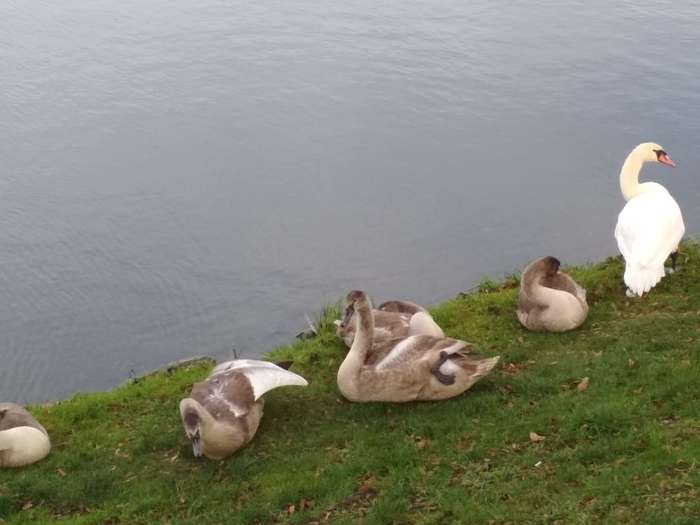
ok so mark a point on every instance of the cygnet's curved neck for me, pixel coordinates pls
(540, 293)
(629, 174)
(206, 420)
(364, 337)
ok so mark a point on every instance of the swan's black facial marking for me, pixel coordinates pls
(663, 158)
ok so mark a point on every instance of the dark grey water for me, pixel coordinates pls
(177, 177)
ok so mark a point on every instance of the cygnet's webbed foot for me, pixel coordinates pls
(444, 379)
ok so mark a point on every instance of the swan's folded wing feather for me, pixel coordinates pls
(649, 227)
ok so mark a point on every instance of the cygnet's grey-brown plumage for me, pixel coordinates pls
(394, 319)
(550, 300)
(23, 440)
(223, 412)
(417, 367)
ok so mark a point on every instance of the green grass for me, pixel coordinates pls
(623, 451)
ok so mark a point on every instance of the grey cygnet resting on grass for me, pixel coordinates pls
(550, 300)
(23, 440)
(417, 367)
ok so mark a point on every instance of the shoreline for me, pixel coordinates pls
(631, 435)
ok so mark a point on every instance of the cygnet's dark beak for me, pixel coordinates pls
(346, 318)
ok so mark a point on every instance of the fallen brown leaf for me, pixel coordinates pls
(506, 390)
(60, 472)
(367, 485)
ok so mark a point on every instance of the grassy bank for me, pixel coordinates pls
(623, 450)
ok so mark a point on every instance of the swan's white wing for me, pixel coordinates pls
(263, 375)
(649, 228)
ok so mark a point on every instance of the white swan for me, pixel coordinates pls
(650, 226)
(22, 439)
(223, 412)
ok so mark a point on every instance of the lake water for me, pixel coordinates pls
(180, 177)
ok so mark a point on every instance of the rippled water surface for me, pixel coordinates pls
(179, 177)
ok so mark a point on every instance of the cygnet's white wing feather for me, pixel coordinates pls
(422, 323)
(649, 228)
(263, 375)
(241, 363)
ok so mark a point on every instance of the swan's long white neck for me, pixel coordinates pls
(629, 174)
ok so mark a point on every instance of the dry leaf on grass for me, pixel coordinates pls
(583, 385)
(535, 437)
